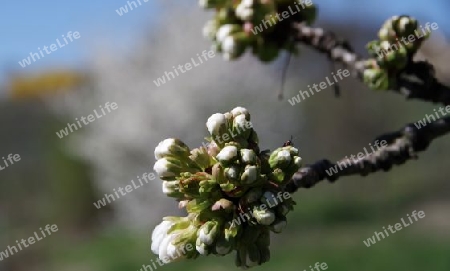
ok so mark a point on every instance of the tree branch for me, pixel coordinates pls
(402, 146)
(416, 81)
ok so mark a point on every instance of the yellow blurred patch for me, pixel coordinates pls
(48, 83)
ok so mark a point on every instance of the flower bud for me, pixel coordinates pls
(213, 149)
(227, 155)
(253, 195)
(201, 247)
(298, 162)
(405, 26)
(248, 156)
(218, 173)
(223, 204)
(244, 12)
(234, 46)
(240, 111)
(263, 216)
(231, 230)
(172, 189)
(242, 127)
(227, 30)
(201, 158)
(217, 125)
(210, 29)
(280, 158)
(171, 147)
(169, 168)
(376, 79)
(208, 232)
(250, 174)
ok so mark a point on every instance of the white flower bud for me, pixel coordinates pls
(216, 124)
(248, 156)
(250, 175)
(210, 29)
(226, 30)
(232, 172)
(201, 247)
(171, 147)
(248, 3)
(284, 155)
(244, 13)
(170, 187)
(208, 232)
(228, 154)
(242, 126)
(159, 233)
(240, 111)
(264, 217)
(166, 169)
(298, 161)
(162, 251)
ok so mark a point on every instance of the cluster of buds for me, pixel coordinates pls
(265, 26)
(399, 40)
(232, 193)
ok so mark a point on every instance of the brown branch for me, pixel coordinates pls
(402, 146)
(416, 81)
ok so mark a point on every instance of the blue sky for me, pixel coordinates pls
(29, 24)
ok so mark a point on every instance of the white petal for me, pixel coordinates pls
(163, 247)
(224, 31)
(229, 45)
(161, 168)
(173, 252)
(163, 148)
(239, 111)
(165, 188)
(159, 233)
(227, 153)
(215, 122)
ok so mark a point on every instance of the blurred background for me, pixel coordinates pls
(118, 57)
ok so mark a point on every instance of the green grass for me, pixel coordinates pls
(342, 249)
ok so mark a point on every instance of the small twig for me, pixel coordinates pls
(416, 81)
(402, 146)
